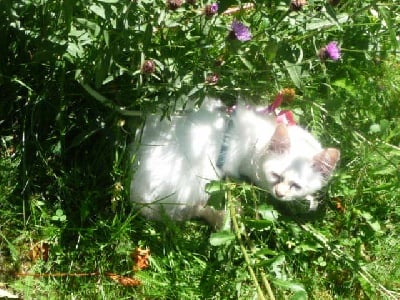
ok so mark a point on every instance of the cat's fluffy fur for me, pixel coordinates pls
(176, 158)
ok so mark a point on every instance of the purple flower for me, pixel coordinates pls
(240, 31)
(332, 51)
(211, 9)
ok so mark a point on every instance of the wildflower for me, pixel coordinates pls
(212, 79)
(296, 5)
(240, 31)
(148, 67)
(174, 4)
(211, 9)
(331, 51)
(288, 94)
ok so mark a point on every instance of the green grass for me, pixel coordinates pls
(72, 92)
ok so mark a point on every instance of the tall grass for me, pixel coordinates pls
(75, 79)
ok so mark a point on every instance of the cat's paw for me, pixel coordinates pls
(216, 218)
(313, 202)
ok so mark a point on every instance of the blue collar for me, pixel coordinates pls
(224, 146)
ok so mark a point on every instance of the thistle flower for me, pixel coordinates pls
(174, 4)
(148, 67)
(240, 31)
(296, 5)
(211, 9)
(331, 51)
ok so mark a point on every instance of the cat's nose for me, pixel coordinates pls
(280, 190)
(279, 194)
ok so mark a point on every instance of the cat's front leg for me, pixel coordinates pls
(216, 218)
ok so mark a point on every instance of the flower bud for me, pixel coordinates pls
(296, 5)
(148, 67)
(211, 9)
(174, 4)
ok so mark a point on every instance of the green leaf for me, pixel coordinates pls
(290, 285)
(221, 238)
(390, 25)
(346, 85)
(271, 50)
(108, 1)
(374, 128)
(299, 295)
(67, 9)
(294, 74)
(268, 213)
(266, 251)
(322, 23)
(258, 224)
(98, 10)
(217, 195)
(374, 224)
(213, 186)
(247, 63)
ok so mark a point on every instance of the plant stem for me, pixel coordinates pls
(103, 100)
(232, 211)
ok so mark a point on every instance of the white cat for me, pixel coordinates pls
(176, 158)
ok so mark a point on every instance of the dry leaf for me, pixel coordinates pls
(141, 258)
(236, 9)
(339, 206)
(125, 281)
(39, 250)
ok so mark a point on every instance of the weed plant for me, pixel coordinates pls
(77, 78)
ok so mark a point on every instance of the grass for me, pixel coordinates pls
(73, 90)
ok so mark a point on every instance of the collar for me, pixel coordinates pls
(225, 143)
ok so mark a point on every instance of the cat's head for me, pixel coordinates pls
(295, 166)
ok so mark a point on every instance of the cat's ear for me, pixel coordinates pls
(280, 141)
(325, 161)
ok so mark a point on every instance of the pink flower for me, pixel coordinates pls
(211, 9)
(240, 31)
(332, 51)
(285, 117)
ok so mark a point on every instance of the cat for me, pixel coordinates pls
(177, 157)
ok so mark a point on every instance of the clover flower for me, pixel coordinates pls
(211, 9)
(240, 31)
(331, 51)
(148, 67)
(212, 79)
(174, 4)
(296, 5)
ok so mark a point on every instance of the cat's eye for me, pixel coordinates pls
(276, 177)
(295, 186)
